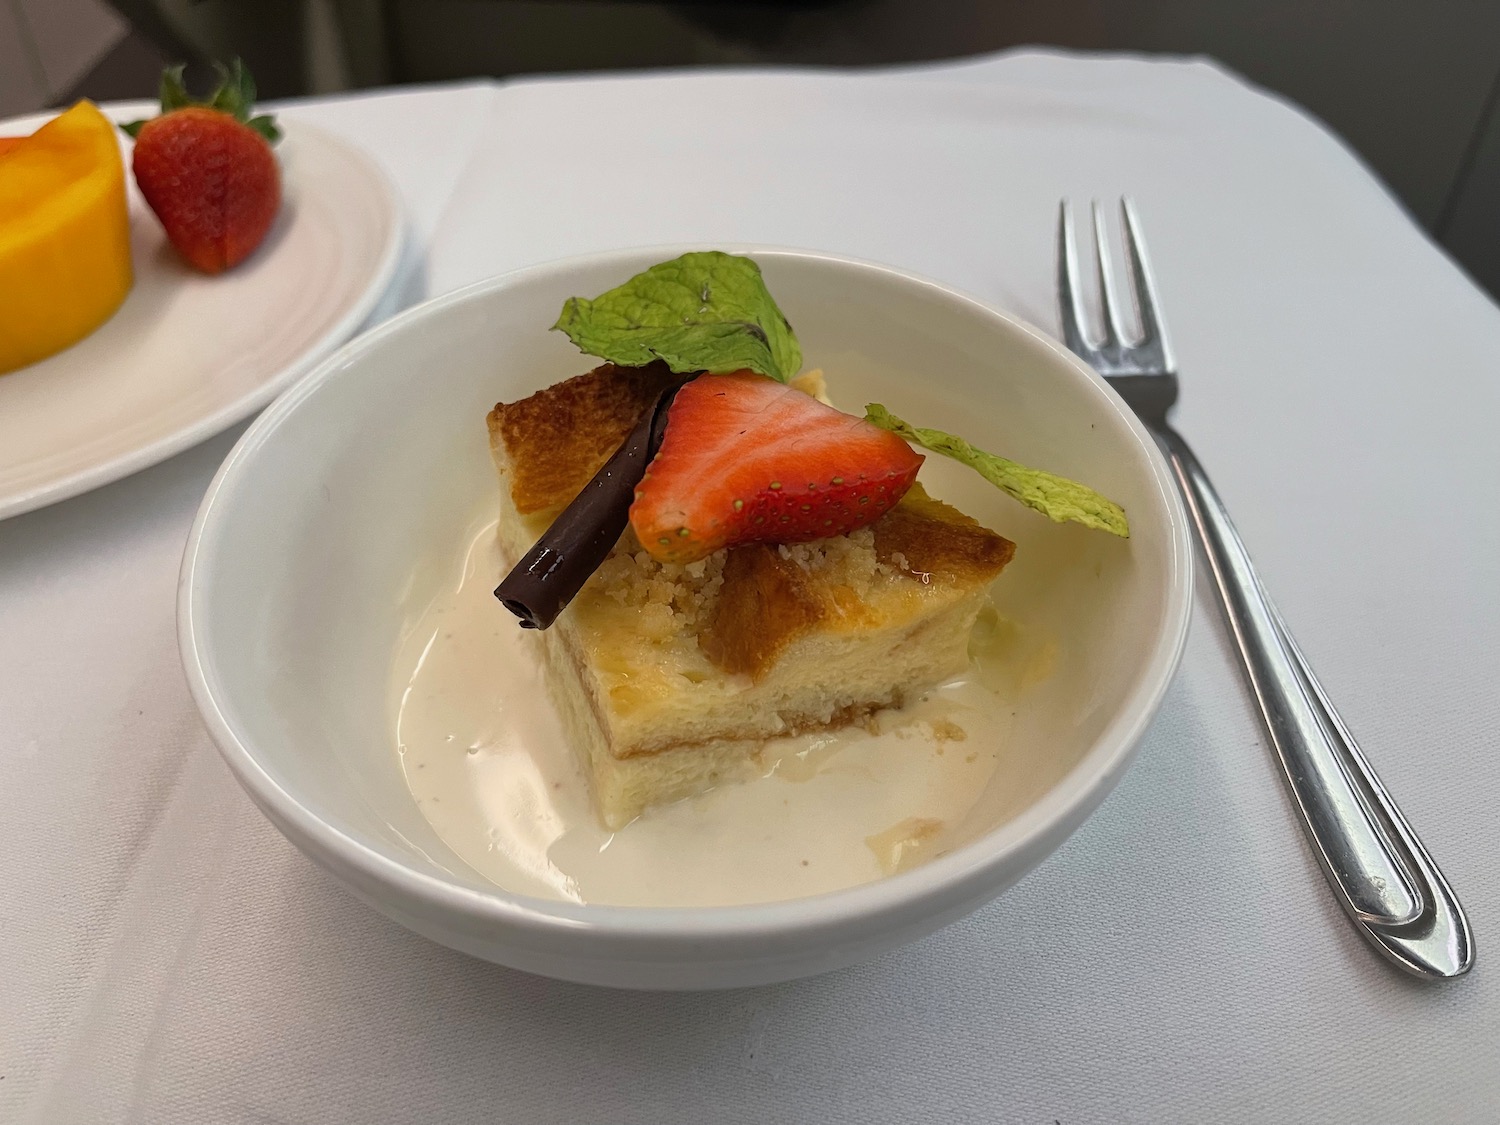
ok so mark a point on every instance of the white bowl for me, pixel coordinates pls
(346, 499)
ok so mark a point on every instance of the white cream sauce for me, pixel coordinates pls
(486, 759)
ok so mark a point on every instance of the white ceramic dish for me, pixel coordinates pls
(188, 355)
(345, 503)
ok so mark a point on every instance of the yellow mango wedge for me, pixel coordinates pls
(64, 235)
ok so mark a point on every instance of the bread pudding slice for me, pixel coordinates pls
(671, 676)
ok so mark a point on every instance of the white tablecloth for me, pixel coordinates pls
(168, 958)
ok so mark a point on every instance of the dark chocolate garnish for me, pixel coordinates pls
(550, 575)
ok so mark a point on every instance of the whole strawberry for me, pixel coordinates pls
(207, 170)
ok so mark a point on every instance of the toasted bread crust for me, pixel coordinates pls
(766, 602)
(557, 439)
(938, 540)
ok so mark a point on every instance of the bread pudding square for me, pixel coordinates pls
(671, 677)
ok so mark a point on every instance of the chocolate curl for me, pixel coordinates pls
(550, 575)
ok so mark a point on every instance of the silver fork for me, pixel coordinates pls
(1379, 870)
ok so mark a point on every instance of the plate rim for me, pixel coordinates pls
(154, 451)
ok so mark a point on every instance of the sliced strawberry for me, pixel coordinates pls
(745, 458)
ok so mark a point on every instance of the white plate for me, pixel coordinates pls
(188, 355)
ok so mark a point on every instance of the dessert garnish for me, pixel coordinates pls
(64, 235)
(743, 458)
(747, 459)
(1057, 498)
(702, 312)
(207, 169)
(705, 311)
(550, 574)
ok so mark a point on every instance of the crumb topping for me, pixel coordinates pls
(681, 598)
(672, 598)
(843, 560)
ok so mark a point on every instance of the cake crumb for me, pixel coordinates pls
(946, 730)
(849, 559)
(672, 598)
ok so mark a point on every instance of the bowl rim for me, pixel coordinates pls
(939, 883)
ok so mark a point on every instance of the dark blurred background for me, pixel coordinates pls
(1413, 85)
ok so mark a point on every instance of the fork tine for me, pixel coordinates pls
(1069, 310)
(1152, 330)
(1111, 318)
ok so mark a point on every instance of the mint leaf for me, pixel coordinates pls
(1057, 498)
(705, 311)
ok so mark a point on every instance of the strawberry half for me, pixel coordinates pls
(207, 170)
(745, 458)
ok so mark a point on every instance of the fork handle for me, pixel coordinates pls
(1337, 796)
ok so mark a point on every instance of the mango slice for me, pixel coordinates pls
(64, 235)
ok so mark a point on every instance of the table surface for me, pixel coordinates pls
(170, 958)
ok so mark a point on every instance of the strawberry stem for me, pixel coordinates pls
(235, 95)
(172, 91)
